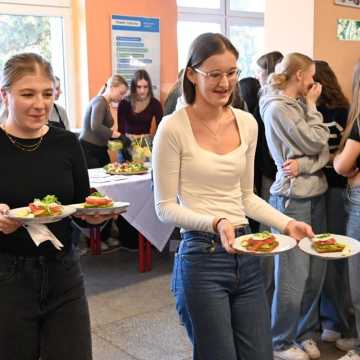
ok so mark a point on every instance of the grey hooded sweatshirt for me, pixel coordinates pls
(294, 131)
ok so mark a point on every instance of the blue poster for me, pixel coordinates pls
(136, 45)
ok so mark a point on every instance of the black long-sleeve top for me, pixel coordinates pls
(56, 167)
(335, 119)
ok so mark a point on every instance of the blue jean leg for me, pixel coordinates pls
(298, 278)
(335, 297)
(177, 289)
(225, 298)
(353, 230)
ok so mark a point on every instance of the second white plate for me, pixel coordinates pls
(118, 208)
(352, 248)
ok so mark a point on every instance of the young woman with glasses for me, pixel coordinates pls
(203, 162)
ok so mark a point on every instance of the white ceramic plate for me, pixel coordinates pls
(286, 243)
(13, 214)
(352, 248)
(118, 208)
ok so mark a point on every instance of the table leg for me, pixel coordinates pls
(141, 258)
(148, 255)
(95, 240)
(145, 254)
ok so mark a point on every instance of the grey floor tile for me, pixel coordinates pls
(151, 336)
(103, 350)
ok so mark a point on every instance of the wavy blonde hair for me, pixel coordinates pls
(285, 70)
(354, 112)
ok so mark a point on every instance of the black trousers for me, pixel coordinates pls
(43, 309)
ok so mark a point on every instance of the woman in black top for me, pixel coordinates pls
(43, 308)
(347, 163)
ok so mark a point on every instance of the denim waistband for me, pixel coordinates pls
(191, 234)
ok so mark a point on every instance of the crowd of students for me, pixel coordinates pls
(280, 151)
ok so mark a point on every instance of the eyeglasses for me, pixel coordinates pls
(215, 76)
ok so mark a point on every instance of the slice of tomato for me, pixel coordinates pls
(36, 210)
(99, 201)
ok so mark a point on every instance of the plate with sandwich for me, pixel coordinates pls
(330, 246)
(41, 211)
(264, 243)
(99, 204)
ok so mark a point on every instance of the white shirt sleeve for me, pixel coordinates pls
(166, 169)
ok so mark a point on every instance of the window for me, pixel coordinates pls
(210, 4)
(188, 30)
(41, 29)
(248, 5)
(240, 20)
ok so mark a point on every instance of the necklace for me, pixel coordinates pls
(216, 134)
(23, 147)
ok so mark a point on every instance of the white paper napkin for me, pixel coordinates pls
(41, 233)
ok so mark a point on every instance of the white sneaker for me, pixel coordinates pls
(293, 353)
(104, 246)
(310, 347)
(112, 242)
(351, 355)
(347, 344)
(330, 336)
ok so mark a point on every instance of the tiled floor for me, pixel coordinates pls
(133, 315)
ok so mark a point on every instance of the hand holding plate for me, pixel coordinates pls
(298, 230)
(7, 226)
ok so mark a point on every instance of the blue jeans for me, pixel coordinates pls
(43, 309)
(353, 230)
(298, 277)
(221, 300)
(335, 298)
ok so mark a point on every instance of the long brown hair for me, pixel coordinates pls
(140, 75)
(268, 61)
(204, 46)
(332, 95)
(354, 112)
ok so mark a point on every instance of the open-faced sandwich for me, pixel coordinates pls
(47, 206)
(260, 242)
(98, 200)
(325, 243)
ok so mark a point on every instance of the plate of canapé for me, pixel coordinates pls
(330, 246)
(264, 243)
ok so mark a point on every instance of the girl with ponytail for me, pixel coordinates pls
(297, 139)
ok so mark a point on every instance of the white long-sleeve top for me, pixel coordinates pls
(207, 184)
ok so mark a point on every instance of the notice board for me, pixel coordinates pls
(136, 45)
